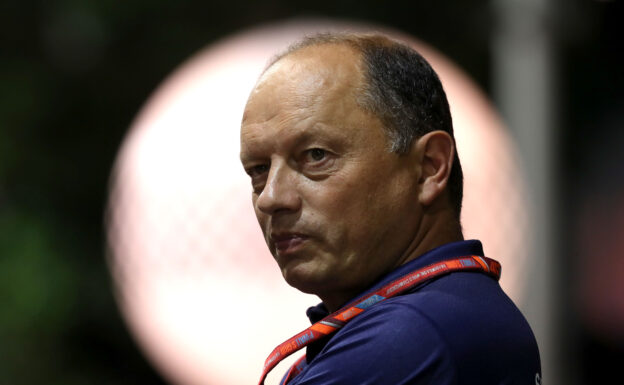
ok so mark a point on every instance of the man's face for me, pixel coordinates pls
(336, 207)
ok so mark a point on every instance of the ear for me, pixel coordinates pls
(436, 150)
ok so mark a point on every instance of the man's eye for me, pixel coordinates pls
(257, 170)
(316, 154)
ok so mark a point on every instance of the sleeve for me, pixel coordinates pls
(392, 343)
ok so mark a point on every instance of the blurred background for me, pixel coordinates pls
(74, 74)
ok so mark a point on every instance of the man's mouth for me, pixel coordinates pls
(287, 242)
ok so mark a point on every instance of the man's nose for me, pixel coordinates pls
(280, 192)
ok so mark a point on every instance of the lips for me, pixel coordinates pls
(287, 242)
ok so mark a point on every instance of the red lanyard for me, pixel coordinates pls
(337, 320)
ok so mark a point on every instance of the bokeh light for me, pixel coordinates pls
(196, 283)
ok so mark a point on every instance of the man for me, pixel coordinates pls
(349, 145)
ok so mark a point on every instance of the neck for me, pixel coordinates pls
(436, 228)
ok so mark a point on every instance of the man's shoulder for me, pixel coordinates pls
(458, 329)
(465, 310)
(388, 343)
(449, 331)
(454, 296)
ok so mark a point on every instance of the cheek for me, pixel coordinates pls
(348, 209)
(336, 200)
(260, 216)
(360, 204)
(381, 204)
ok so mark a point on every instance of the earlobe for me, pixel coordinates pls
(437, 151)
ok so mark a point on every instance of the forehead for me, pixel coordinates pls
(306, 79)
(316, 86)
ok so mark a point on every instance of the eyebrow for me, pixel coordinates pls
(293, 139)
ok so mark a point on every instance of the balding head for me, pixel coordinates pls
(312, 72)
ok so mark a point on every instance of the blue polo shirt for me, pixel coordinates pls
(460, 328)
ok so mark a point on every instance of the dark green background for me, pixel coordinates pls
(73, 74)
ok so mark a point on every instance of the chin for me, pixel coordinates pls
(303, 278)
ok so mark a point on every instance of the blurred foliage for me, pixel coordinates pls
(72, 76)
